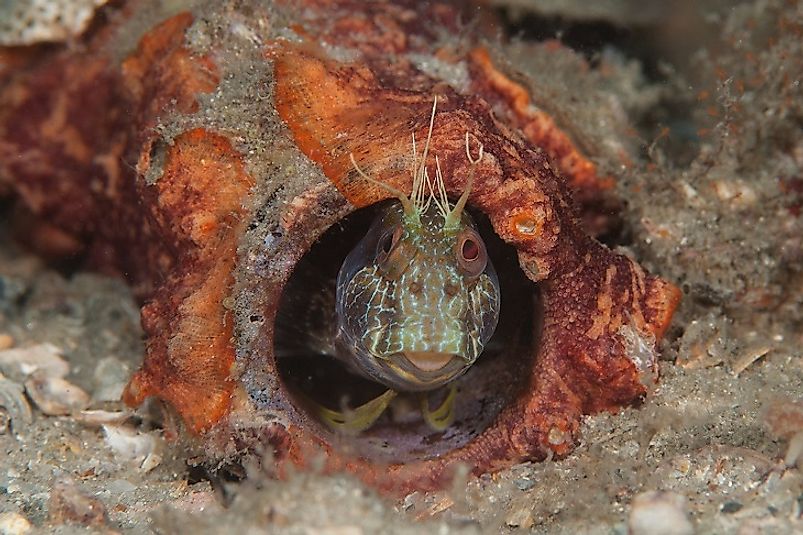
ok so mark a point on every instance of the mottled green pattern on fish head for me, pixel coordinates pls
(417, 298)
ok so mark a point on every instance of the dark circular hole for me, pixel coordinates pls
(305, 327)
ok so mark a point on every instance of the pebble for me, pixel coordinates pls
(6, 341)
(731, 507)
(111, 376)
(98, 417)
(659, 513)
(70, 505)
(131, 444)
(36, 21)
(521, 517)
(120, 486)
(410, 500)
(794, 452)
(55, 396)
(46, 359)
(14, 407)
(12, 523)
(128, 442)
(12, 289)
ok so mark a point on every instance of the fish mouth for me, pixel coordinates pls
(428, 361)
(426, 370)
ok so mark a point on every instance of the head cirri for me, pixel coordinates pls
(418, 297)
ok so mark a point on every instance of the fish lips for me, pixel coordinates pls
(425, 370)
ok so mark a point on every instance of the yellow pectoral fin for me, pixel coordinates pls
(443, 416)
(359, 419)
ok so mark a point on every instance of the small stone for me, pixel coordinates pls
(557, 436)
(520, 517)
(41, 21)
(5, 421)
(55, 396)
(12, 523)
(410, 500)
(14, 407)
(440, 504)
(524, 484)
(731, 507)
(748, 357)
(111, 376)
(120, 486)
(659, 513)
(131, 444)
(68, 505)
(737, 193)
(151, 461)
(46, 359)
(6, 341)
(794, 451)
(705, 342)
(98, 417)
(784, 417)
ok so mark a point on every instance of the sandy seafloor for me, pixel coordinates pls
(707, 97)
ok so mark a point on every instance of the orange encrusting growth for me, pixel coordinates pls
(540, 128)
(313, 134)
(162, 72)
(200, 197)
(331, 107)
(663, 299)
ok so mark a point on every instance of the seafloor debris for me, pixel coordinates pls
(659, 513)
(110, 378)
(131, 444)
(14, 407)
(6, 341)
(55, 396)
(28, 22)
(706, 342)
(41, 368)
(45, 359)
(12, 523)
(99, 417)
(226, 140)
(748, 356)
(521, 514)
(784, 418)
(69, 504)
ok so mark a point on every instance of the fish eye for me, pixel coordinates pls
(471, 254)
(470, 250)
(387, 242)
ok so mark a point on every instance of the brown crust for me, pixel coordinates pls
(589, 293)
(199, 198)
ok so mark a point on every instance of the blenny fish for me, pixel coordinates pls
(204, 151)
(416, 300)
